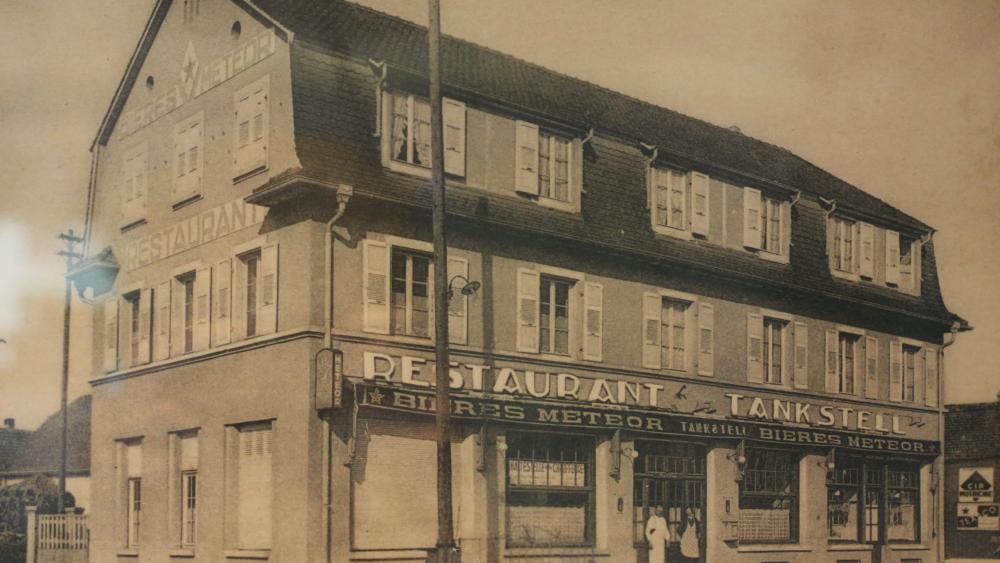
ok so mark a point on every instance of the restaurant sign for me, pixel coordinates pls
(577, 415)
(418, 372)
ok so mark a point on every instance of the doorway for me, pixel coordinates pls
(670, 475)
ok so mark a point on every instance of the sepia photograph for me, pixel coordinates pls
(499, 281)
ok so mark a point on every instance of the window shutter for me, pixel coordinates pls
(706, 339)
(526, 158)
(895, 371)
(751, 218)
(755, 348)
(161, 337)
(528, 282)
(145, 330)
(254, 489)
(801, 360)
(202, 309)
(651, 173)
(177, 186)
(176, 318)
(931, 379)
(699, 203)
(458, 306)
(133, 461)
(652, 305)
(454, 137)
(221, 302)
(593, 317)
(241, 134)
(268, 323)
(195, 156)
(111, 334)
(867, 267)
(376, 298)
(859, 366)
(832, 361)
(786, 228)
(892, 257)
(259, 141)
(919, 379)
(238, 320)
(871, 367)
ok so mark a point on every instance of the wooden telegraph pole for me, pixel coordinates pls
(446, 536)
(71, 241)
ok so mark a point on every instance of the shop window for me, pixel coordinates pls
(410, 300)
(550, 490)
(903, 508)
(843, 495)
(769, 498)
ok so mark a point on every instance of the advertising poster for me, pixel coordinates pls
(975, 484)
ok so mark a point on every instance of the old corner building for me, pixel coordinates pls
(669, 315)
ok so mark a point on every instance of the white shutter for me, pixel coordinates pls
(221, 302)
(161, 316)
(254, 489)
(179, 169)
(867, 250)
(892, 257)
(268, 318)
(593, 321)
(259, 128)
(196, 156)
(895, 371)
(145, 330)
(376, 286)
(931, 378)
(751, 218)
(111, 334)
(250, 135)
(177, 299)
(801, 359)
(528, 282)
(755, 348)
(458, 306)
(871, 367)
(526, 158)
(652, 306)
(454, 137)
(832, 361)
(242, 133)
(238, 319)
(202, 306)
(706, 339)
(859, 365)
(699, 203)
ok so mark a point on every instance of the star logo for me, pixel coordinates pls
(189, 70)
(375, 397)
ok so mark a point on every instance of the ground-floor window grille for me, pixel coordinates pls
(769, 498)
(890, 493)
(550, 491)
(903, 505)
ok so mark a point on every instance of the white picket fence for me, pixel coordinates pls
(63, 531)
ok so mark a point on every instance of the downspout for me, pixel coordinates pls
(949, 339)
(344, 193)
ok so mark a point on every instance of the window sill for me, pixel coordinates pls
(182, 552)
(128, 552)
(849, 547)
(908, 547)
(260, 554)
(543, 551)
(389, 554)
(567, 206)
(772, 257)
(133, 224)
(845, 275)
(187, 200)
(249, 174)
(672, 232)
(773, 548)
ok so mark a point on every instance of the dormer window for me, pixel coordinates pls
(408, 134)
(843, 252)
(546, 166)
(678, 202)
(766, 224)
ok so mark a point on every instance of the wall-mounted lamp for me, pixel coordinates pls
(469, 287)
(617, 451)
(739, 457)
(829, 462)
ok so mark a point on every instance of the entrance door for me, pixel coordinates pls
(670, 475)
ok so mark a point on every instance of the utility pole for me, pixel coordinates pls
(71, 241)
(446, 536)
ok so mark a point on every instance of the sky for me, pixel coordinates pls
(899, 98)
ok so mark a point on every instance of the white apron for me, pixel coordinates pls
(657, 535)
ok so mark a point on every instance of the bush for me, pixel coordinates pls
(14, 500)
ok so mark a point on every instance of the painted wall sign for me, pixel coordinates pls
(192, 232)
(196, 79)
(975, 484)
(568, 414)
(972, 516)
(419, 372)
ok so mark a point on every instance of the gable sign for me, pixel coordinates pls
(975, 484)
(197, 78)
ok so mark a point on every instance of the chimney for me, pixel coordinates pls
(8, 423)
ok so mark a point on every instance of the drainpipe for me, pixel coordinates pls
(949, 339)
(344, 193)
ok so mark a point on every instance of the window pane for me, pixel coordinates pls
(421, 133)
(399, 127)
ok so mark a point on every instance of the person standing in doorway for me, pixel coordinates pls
(657, 536)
